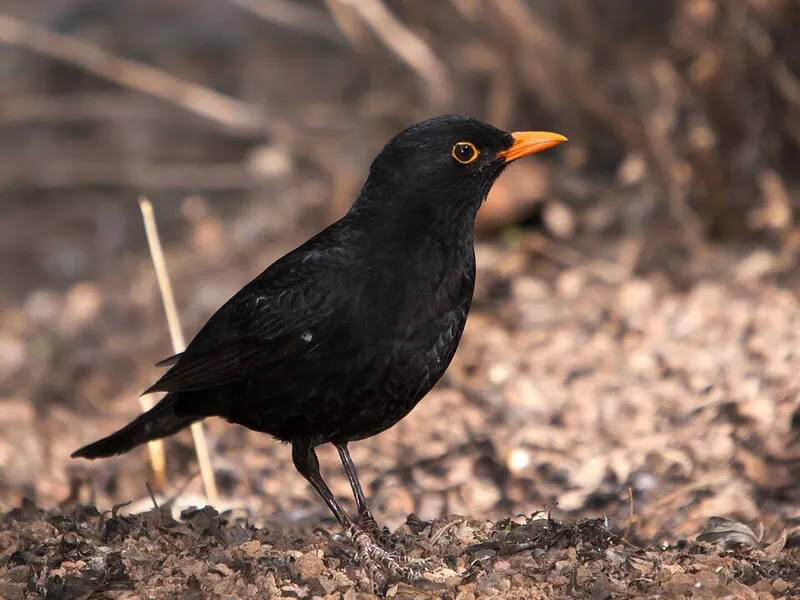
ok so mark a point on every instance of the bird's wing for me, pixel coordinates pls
(286, 311)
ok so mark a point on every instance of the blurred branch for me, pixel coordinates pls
(786, 82)
(58, 109)
(211, 105)
(655, 91)
(62, 108)
(553, 60)
(312, 119)
(477, 56)
(405, 44)
(237, 116)
(79, 172)
(293, 15)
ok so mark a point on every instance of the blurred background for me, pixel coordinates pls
(634, 346)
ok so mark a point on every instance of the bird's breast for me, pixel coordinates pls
(421, 321)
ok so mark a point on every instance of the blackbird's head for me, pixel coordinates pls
(445, 165)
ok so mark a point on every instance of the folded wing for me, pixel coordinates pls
(286, 311)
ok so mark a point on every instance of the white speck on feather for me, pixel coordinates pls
(307, 336)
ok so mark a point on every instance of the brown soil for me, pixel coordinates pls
(82, 553)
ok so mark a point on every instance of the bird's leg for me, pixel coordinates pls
(365, 518)
(305, 461)
(375, 559)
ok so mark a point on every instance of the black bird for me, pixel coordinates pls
(339, 339)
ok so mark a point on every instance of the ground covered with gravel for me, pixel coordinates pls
(82, 553)
(656, 426)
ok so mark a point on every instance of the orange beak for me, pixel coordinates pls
(530, 142)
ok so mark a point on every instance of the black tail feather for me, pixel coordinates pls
(158, 422)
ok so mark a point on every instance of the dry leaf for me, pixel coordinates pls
(719, 530)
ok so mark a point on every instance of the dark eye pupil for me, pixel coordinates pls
(463, 152)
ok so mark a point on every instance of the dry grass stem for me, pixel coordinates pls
(178, 342)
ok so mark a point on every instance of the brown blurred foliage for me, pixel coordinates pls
(681, 114)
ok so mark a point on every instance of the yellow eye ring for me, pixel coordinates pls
(464, 152)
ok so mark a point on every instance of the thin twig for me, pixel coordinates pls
(445, 528)
(66, 173)
(310, 118)
(156, 507)
(79, 107)
(293, 15)
(156, 449)
(556, 60)
(178, 343)
(407, 46)
(631, 513)
(152, 496)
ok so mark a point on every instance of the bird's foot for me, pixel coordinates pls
(381, 565)
(386, 539)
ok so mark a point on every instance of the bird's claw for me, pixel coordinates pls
(383, 537)
(382, 566)
(381, 563)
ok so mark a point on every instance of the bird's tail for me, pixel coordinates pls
(158, 422)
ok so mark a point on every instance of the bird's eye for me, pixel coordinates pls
(465, 152)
